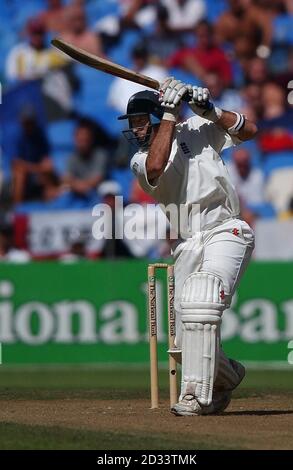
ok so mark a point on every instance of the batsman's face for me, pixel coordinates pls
(140, 125)
(140, 131)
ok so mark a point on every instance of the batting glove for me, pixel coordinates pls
(171, 93)
(201, 105)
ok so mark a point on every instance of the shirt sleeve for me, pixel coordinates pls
(138, 167)
(230, 140)
(221, 139)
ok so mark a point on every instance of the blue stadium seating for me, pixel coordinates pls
(91, 100)
(121, 54)
(60, 159)
(278, 60)
(66, 201)
(214, 8)
(276, 160)
(60, 134)
(95, 10)
(5, 165)
(283, 29)
(265, 210)
(125, 178)
(253, 149)
(8, 40)
(61, 137)
(21, 15)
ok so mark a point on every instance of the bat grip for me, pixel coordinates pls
(187, 96)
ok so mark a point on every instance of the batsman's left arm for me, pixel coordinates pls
(228, 120)
(232, 122)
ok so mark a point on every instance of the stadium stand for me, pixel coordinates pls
(89, 89)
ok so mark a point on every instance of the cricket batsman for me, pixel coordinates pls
(180, 163)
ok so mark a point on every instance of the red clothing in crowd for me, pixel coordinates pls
(212, 60)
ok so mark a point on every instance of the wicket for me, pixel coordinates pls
(152, 316)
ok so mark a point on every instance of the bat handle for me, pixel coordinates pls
(188, 95)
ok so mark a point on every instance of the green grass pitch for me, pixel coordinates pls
(120, 386)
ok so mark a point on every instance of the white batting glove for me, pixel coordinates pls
(171, 93)
(200, 103)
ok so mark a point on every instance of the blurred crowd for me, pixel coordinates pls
(59, 151)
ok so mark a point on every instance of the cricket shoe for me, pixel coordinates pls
(189, 405)
(222, 394)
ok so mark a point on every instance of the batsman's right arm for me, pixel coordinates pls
(172, 92)
(160, 149)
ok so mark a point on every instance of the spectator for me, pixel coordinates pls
(76, 252)
(252, 97)
(288, 214)
(87, 166)
(248, 26)
(276, 127)
(224, 98)
(32, 167)
(5, 192)
(77, 33)
(279, 189)
(183, 15)
(289, 6)
(206, 57)
(121, 89)
(31, 60)
(162, 42)
(286, 75)
(138, 14)
(123, 153)
(273, 101)
(248, 181)
(234, 27)
(257, 71)
(53, 16)
(260, 15)
(8, 251)
(244, 75)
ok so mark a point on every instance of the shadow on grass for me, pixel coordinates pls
(258, 413)
(81, 394)
(28, 437)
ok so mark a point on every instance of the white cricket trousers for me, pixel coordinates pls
(224, 251)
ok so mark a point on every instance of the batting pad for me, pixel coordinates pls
(230, 373)
(202, 307)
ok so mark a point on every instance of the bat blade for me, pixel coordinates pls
(104, 65)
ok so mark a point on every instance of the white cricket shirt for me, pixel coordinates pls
(194, 175)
